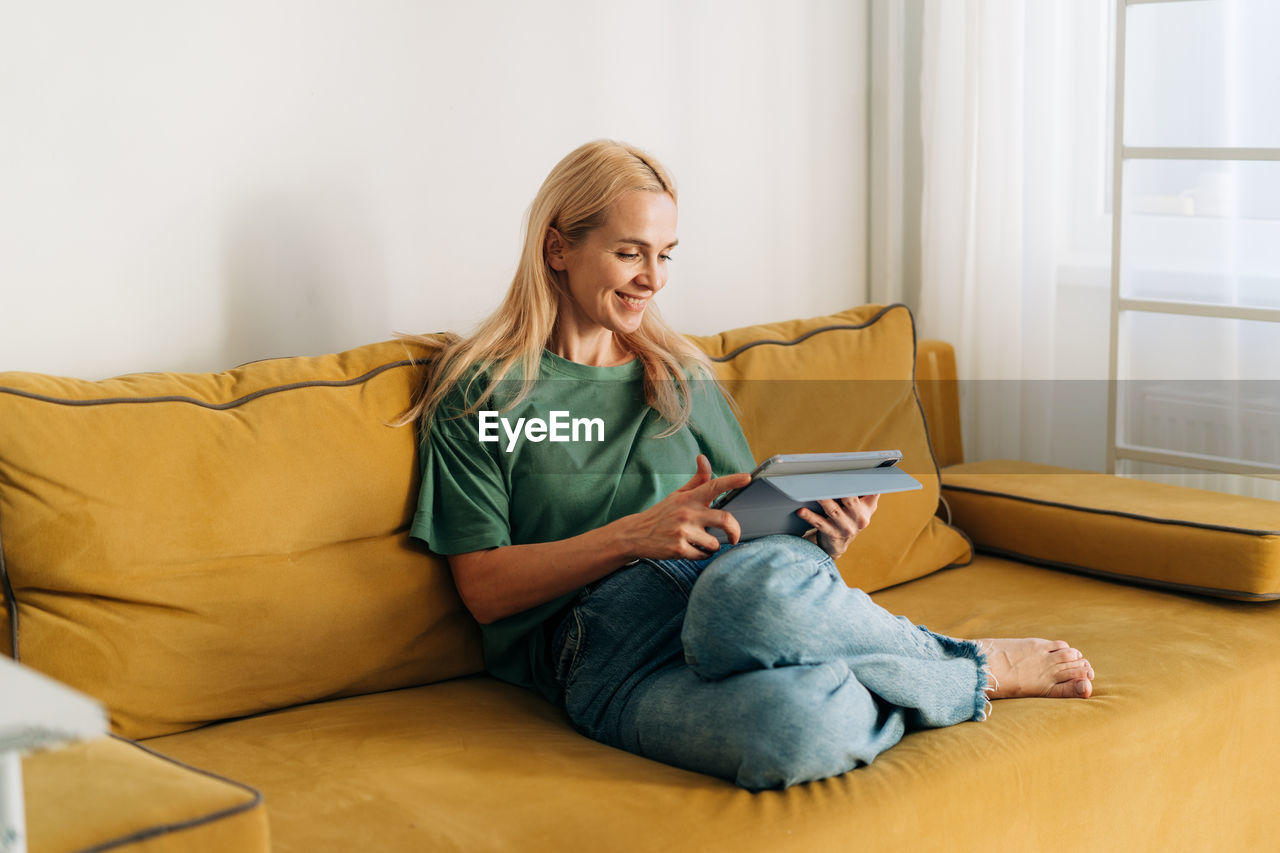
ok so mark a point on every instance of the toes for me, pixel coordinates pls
(1066, 655)
(1082, 666)
(1081, 688)
(1070, 673)
(1061, 690)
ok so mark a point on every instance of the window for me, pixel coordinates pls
(1195, 280)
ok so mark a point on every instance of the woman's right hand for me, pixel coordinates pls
(498, 582)
(676, 526)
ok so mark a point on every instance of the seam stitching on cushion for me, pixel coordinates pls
(1116, 512)
(973, 549)
(230, 404)
(165, 829)
(10, 602)
(735, 353)
(942, 500)
(1135, 579)
(928, 439)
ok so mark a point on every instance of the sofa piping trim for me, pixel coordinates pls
(1244, 531)
(167, 828)
(10, 603)
(1172, 586)
(915, 392)
(836, 327)
(230, 404)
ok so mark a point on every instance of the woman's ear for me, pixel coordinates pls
(554, 249)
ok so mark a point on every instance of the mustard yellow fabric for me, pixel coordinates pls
(844, 382)
(940, 396)
(1177, 750)
(195, 547)
(1146, 532)
(188, 548)
(115, 794)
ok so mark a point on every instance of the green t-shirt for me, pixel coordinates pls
(596, 458)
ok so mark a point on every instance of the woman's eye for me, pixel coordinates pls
(631, 256)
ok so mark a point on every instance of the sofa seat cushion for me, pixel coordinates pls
(1183, 684)
(110, 793)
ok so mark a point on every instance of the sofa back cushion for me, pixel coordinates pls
(188, 548)
(846, 382)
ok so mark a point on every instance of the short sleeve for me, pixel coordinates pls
(463, 502)
(718, 432)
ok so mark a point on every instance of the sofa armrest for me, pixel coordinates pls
(1133, 530)
(940, 399)
(117, 794)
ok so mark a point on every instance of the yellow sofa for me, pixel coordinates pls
(222, 560)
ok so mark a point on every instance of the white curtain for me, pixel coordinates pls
(991, 71)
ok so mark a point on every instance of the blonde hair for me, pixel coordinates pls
(575, 199)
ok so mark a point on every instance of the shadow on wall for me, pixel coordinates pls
(305, 274)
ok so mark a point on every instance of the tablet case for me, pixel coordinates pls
(768, 505)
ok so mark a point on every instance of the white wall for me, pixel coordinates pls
(191, 185)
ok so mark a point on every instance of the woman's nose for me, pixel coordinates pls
(652, 275)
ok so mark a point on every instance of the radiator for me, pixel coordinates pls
(1232, 420)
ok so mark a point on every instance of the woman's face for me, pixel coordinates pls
(619, 267)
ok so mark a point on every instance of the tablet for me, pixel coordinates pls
(783, 484)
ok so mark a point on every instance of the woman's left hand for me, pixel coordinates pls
(845, 518)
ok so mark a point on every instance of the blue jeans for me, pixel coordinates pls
(757, 664)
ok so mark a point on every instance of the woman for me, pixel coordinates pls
(587, 557)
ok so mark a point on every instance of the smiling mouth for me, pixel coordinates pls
(632, 302)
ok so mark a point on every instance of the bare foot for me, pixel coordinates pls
(1043, 668)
